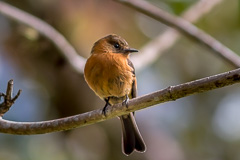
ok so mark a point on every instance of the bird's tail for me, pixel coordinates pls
(131, 137)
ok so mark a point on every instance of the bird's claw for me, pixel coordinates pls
(125, 102)
(105, 108)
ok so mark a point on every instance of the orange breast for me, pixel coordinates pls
(108, 74)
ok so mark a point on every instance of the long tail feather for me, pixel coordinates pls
(131, 136)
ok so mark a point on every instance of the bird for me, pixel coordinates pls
(111, 75)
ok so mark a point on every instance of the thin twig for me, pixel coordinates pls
(8, 100)
(169, 94)
(184, 27)
(9, 90)
(77, 62)
(17, 95)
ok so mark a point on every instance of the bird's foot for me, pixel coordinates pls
(105, 107)
(125, 102)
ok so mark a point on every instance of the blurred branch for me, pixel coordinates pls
(169, 94)
(156, 47)
(8, 100)
(76, 61)
(150, 50)
(170, 36)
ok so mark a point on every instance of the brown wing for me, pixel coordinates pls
(134, 84)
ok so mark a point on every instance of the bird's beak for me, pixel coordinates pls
(130, 50)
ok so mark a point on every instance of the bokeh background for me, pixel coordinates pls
(204, 126)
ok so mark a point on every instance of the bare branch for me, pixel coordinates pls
(169, 94)
(156, 47)
(17, 95)
(184, 27)
(8, 100)
(77, 62)
(152, 49)
(165, 95)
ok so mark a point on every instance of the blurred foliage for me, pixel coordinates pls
(197, 127)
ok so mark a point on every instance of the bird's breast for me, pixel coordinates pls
(109, 75)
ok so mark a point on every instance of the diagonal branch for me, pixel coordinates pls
(159, 45)
(77, 62)
(151, 50)
(165, 95)
(169, 94)
(184, 27)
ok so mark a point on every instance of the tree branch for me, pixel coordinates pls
(184, 27)
(8, 100)
(169, 94)
(76, 61)
(156, 47)
(152, 49)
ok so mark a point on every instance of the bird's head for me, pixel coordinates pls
(112, 44)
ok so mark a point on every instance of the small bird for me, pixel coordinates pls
(111, 75)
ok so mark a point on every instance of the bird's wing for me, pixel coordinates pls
(134, 84)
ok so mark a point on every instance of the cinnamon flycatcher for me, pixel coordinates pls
(111, 75)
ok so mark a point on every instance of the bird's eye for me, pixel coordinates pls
(116, 45)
